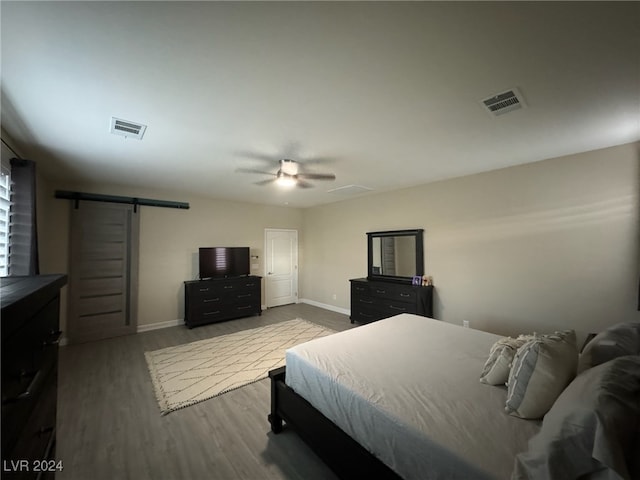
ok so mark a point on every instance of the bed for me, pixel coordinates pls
(421, 413)
(401, 398)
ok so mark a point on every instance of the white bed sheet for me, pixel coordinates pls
(407, 388)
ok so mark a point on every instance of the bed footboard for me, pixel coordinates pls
(346, 457)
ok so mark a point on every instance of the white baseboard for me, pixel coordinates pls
(142, 328)
(175, 323)
(158, 325)
(326, 306)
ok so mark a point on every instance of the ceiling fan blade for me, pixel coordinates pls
(257, 156)
(303, 184)
(312, 161)
(253, 170)
(317, 176)
(265, 182)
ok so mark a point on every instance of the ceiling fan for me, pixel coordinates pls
(290, 173)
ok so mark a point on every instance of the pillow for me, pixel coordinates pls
(592, 427)
(496, 368)
(541, 369)
(616, 341)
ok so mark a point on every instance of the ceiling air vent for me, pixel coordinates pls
(127, 128)
(504, 102)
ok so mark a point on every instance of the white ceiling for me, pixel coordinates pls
(388, 95)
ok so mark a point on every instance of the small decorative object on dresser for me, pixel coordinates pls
(218, 299)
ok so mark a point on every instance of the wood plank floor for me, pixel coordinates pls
(110, 427)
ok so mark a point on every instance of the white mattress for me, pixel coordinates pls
(407, 388)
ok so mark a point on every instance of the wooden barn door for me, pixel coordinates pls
(103, 271)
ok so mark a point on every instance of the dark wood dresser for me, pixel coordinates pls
(374, 300)
(30, 336)
(219, 299)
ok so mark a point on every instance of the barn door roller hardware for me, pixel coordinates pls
(95, 197)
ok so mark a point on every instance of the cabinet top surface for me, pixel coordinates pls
(390, 282)
(225, 279)
(23, 297)
(15, 289)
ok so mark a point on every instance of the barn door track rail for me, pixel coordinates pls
(135, 201)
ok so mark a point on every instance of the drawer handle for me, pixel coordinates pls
(360, 289)
(28, 392)
(249, 284)
(366, 301)
(405, 295)
(244, 308)
(228, 286)
(244, 295)
(211, 313)
(203, 289)
(207, 300)
(397, 308)
(53, 341)
(362, 314)
(381, 291)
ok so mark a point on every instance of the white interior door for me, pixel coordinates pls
(281, 267)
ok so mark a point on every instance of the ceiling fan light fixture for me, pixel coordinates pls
(285, 180)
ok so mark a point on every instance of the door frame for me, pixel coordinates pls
(297, 263)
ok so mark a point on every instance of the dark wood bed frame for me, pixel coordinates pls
(346, 457)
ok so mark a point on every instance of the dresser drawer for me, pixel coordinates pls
(226, 288)
(361, 301)
(244, 297)
(208, 310)
(208, 294)
(32, 350)
(396, 308)
(36, 435)
(395, 292)
(360, 289)
(212, 300)
(247, 308)
(202, 316)
(366, 314)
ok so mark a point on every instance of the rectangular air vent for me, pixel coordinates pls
(127, 128)
(504, 102)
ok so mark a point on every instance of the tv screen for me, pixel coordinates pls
(219, 262)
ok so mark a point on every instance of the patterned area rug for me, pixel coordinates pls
(187, 374)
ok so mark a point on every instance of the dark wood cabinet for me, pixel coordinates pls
(30, 336)
(374, 300)
(219, 299)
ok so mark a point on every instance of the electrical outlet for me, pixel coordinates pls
(335, 297)
(465, 323)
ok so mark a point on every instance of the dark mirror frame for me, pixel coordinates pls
(418, 234)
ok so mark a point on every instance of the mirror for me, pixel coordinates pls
(395, 255)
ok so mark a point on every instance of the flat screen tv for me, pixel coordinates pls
(221, 262)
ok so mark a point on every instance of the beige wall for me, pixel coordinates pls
(169, 241)
(544, 246)
(538, 247)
